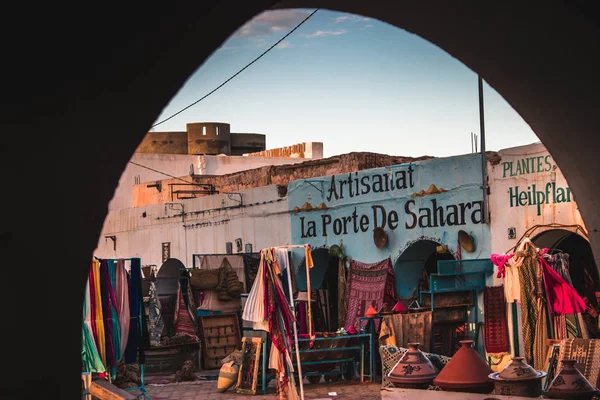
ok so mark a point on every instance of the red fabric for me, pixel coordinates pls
(562, 297)
(184, 325)
(496, 322)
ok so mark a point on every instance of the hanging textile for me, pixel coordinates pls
(122, 299)
(111, 321)
(98, 320)
(156, 323)
(114, 312)
(135, 308)
(268, 309)
(184, 325)
(532, 306)
(254, 310)
(251, 265)
(283, 264)
(280, 318)
(390, 297)
(496, 323)
(342, 284)
(191, 305)
(89, 353)
(308, 260)
(401, 329)
(564, 299)
(366, 287)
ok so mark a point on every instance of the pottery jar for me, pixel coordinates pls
(570, 384)
(465, 372)
(413, 370)
(518, 379)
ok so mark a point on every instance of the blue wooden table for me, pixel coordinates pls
(349, 362)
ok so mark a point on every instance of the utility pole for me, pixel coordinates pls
(484, 184)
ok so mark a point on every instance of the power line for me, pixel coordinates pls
(237, 73)
(160, 172)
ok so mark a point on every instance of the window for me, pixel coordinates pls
(217, 129)
(204, 131)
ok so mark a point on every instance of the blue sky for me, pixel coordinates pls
(353, 83)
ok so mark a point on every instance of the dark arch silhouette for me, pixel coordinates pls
(81, 89)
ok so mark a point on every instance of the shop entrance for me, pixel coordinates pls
(412, 268)
(582, 270)
(411, 273)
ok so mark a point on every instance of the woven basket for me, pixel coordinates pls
(204, 279)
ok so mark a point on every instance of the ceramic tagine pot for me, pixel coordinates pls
(570, 384)
(518, 379)
(399, 308)
(465, 372)
(413, 370)
(371, 312)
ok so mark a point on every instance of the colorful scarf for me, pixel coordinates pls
(89, 352)
(114, 310)
(122, 300)
(96, 300)
(107, 313)
(184, 325)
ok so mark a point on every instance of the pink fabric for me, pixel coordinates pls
(562, 297)
(122, 299)
(500, 260)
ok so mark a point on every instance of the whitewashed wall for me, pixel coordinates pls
(210, 222)
(172, 164)
(527, 169)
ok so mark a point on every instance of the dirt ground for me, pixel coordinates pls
(158, 388)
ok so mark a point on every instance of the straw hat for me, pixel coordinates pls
(380, 237)
(466, 241)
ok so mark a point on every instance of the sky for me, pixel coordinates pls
(351, 82)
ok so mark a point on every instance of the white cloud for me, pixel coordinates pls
(321, 33)
(349, 18)
(270, 22)
(367, 26)
(283, 45)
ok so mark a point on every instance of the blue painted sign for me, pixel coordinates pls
(433, 199)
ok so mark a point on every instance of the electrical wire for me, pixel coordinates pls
(160, 172)
(237, 73)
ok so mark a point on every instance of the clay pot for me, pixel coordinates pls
(518, 379)
(465, 372)
(371, 312)
(570, 384)
(399, 308)
(413, 370)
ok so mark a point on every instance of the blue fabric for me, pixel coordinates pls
(116, 328)
(135, 280)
